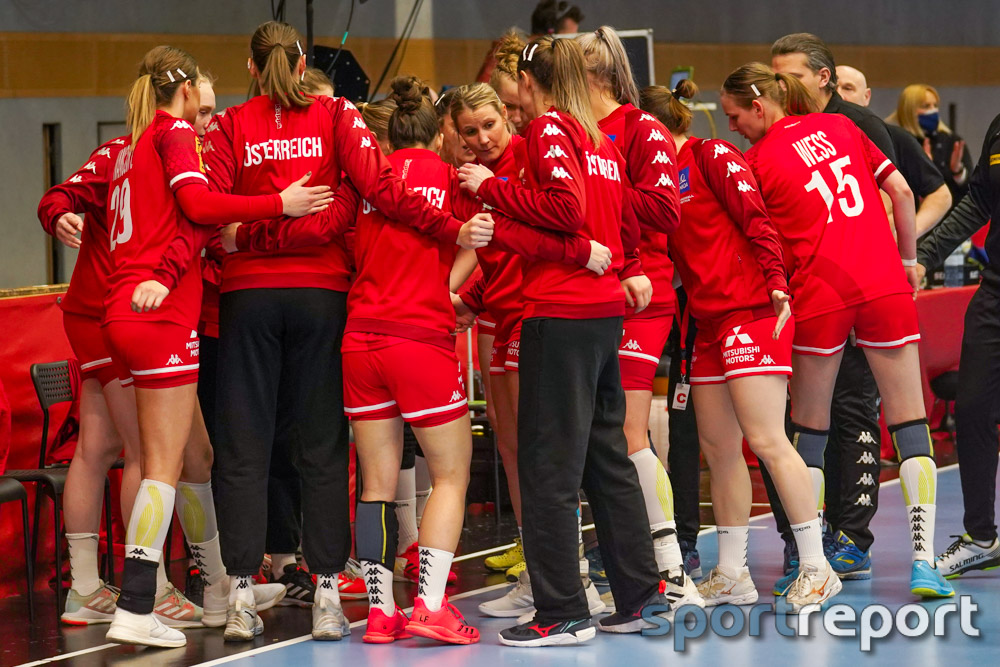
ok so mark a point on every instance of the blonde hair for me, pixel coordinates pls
(163, 70)
(666, 105)
(507, 54)
(755, 80)
(376, 116)
(557, 66)
(276, 49)
(313, 79)
(606, 59)
(474, 96)
(907, 108)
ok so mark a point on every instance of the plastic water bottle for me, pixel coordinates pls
(954, 268)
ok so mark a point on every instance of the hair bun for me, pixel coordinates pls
(685, 89)
(407, 93)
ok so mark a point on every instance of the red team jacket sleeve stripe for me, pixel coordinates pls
(559, 202)
(729, 176)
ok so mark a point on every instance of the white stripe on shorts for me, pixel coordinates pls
(164, 371)
(368, 408)
(819, 350)
(769, 369)
(434, 411)
(638, 355)
(95, 364)
(891, 343)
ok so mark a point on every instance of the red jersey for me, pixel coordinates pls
(260, 146)
(570, 187)
(819, 176)
(86, 191)
(726, 248)
(402, 284)
(651, 165)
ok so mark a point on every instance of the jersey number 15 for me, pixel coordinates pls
(847, 189)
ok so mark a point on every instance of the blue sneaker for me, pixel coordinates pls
(783, 584)
(692, 560)
(829, 542)
(791, 556)
(847, 560)
(928, 582)
(597, 573)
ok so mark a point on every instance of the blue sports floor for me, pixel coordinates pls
(889, 587)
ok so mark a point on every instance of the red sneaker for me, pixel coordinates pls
(351, 587)
(384, 629)
(407, 567)
(445, 625)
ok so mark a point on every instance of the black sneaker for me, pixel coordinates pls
(790, 558)
(300, 589)
(539, 633)
(622, 623)
(194, 586)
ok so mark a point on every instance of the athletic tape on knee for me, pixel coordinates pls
(810, 444)
(911, 439)
(376, 532)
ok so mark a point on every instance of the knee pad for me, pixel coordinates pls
(912, 438)
(377, 532)
(810, 444)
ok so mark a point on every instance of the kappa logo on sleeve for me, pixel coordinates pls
(555, 152)
(105, 152)
(181, 124)
(656, 135)
(90, 166)
(720, 149)
(664, 181)
(75, 178)
(646, 116)
(358, 122)
(119, 142)
(552, 131)
(743, 186)
(662, 158)
(733, 168)
(559, 172)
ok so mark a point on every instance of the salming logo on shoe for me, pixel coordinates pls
(867, 457)
(864, 500)
(866, 438)
(174, 360)
(866, 479)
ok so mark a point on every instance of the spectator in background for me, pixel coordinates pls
(555, 17)
(918, 113)
(933, 199)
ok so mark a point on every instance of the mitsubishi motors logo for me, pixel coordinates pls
(743, 338)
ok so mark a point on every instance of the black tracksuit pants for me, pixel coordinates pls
(570, 418)
(280, 371)
(977, 410)
(852, 454)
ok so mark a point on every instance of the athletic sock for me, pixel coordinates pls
(733, 544)
(423, 486)
(434, 567)
(406, 509)
(196, 512)
(918, 477)
(659, 497)
(240, 588)
(819, 489)
(162, 581)
(279, 562)
(144, 538)
(378, 582)
(666, 548)
(809, 540)
(326, 588)
(83, 562)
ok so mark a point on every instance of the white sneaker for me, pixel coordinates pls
(174, 610)
(242, 622)
(595, 603)
(719, 589)
(964, 555)
(265, 596)
(98, 607)
(329, 623)
(814, 586)
(515, 602)
(680, 590)
(144, 630)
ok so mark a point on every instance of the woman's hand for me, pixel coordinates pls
(148, 296)
(228, 237)
(914, 275)
(464, 317)
(471, 176)
(477, 232)
(638, 292)
(67, 227)
(782, 309)
(298, 200)
(600, 258)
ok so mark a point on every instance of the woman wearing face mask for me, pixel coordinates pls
(919, 113)
(820, 178)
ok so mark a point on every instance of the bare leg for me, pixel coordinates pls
(121, 405)
(812, 389)
(721, 440)
(897, 373)
(448, 450)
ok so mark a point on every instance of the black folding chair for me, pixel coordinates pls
(56, 383)
(10, 491)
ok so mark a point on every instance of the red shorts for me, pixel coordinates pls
(887, 322)
(640, 350)
(487, 327)
(747, 349)
(87, 340)
(505, 358)
(387, 376)
(157, 355)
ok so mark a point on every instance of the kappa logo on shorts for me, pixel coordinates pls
(174, 360)
(632, 345)
(456, 396)
(767, 360)
(866, 438)
(743, 338)
(867, 458)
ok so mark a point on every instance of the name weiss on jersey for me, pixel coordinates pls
(282, 149)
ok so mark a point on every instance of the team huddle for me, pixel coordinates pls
(333, 253)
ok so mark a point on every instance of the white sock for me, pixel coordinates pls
(241, 588)
(918, 477)
(209, 558)
(406, 509)
(733, 544)
(279, 562)
(83, 562)
(666, 548)
(378, 581)
(434, 568)
(809, 540)
(161, 578)
(326, 587)
(422, 477)
(196, 511)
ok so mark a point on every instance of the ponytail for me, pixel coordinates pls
(163, 70)
(557, 66)
(755, 80)
(607, 61)
(667, 106)
(507, 53)
(276, 49)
